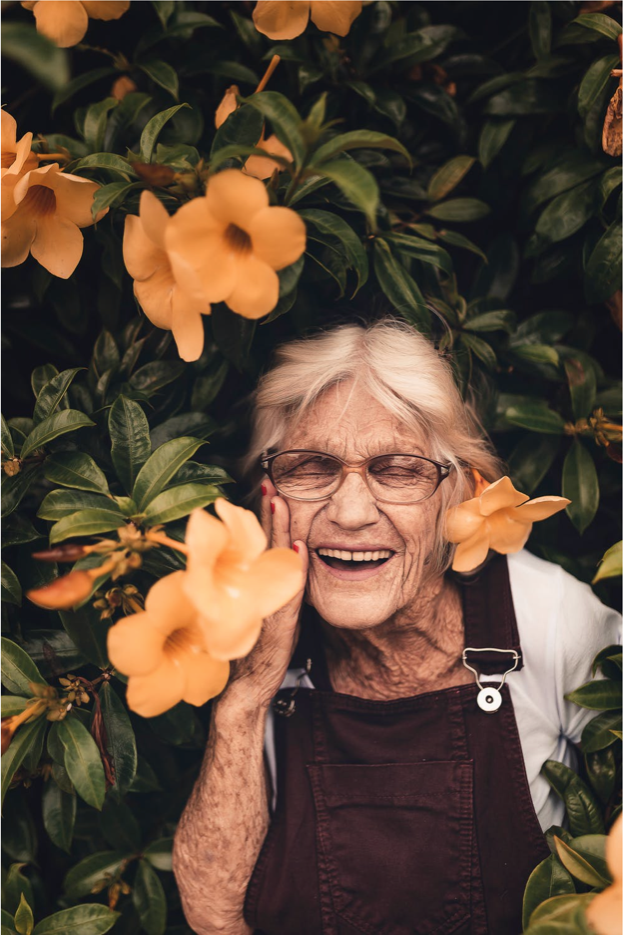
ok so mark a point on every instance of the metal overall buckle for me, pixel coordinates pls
(489, 698)
(287, 706)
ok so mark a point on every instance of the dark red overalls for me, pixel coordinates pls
(404, 817)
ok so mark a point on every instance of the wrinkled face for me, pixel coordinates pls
(347, 595)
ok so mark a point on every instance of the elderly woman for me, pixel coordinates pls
(373, 764)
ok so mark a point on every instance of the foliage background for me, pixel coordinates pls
(501, 241)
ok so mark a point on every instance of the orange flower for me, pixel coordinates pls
(232, 580)
(121, 87)
(17, 159)
(227, 106)
(163, 651)
(262, 167)
(234, 242)
(498, 518)
(171, 299)
(51, 206)
(65, 592)
(605, 912)
(66, 21)
(285, 19)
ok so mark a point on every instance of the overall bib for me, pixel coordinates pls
(405, 817)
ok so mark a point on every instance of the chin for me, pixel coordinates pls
(350, 613)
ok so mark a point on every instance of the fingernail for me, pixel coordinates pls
(264, 490)
(272, 507)
(295, 547)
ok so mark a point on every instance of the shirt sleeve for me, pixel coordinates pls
(584, 627)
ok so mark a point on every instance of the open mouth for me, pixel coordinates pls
(342, 560)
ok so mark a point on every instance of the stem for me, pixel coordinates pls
(163, 539)
(267, 74)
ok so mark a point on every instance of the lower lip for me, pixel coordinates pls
(355, 575)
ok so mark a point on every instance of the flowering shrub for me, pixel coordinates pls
(185, 185)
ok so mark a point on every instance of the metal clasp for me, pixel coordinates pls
(489, 698)
(287, 706)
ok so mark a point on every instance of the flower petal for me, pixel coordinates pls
(499, 495)
(234, 198)
(472, 553)
(74, 198)
(63, 21)
(187, 325)
(540, 508)
(278, 236)
(335, 16)
(153, 694)
(205, 678)
(106, 9)
(256, 290)
(227, 106)
(58, 245)
(507, 534)
(141, 256)
(262, 167)
(154, 218)
(281, 19)
(155, 296)
(247, 539)
(167, 604)
(18, 233)
(274, 579)
(194, 240)
(8, 132)
(25, 159)
(135, 645)
(232, 627)
(463, 520)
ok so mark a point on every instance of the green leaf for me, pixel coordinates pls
(583, 810)
(11, 588)
(537, 417)
(179, 501)
(578, 866)
(331, 224)
(557, 913)
(540, 27)
(145, 781)
(8, 449)
(459, 240)
(601, 23)
(59, 815)
(580, 484)
(91, 871)
(82, 761)
(603, 269)
(68, 420)
(36, 53)
(189, 423)
(53, 393)
(600, 695)
(194, 473)
(399, 287)
(448, 176)
(88, 633)
(481, 349)
(357, 139)
(77, 470)
(24, 919)
(497, 320)
(158, 373)
(531, 459)
(110, 161)
(164, 75)
(80, 82)
(582, 387)
(567, 213)
(18, 530)
(242, 128)
(131, 444)
(152, 131)
(493, 136)
(86, 919)
(120, 740)
(568, 171)
(526, 98)
(610, 565)
(16, 487)
(60, 503)
(419, 46)
(17, 669)
(160, 468)
(86, 523)
(594, 81)
(149, 899)
(95, 122)
(12, 704)
(460, 210)
(285, 121)
(355, 183)
(107, 195)
(598, 733)
(14, 883)
(160, 853)
(422, 250)
(26, 738)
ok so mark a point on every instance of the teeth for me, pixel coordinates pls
(355, 556)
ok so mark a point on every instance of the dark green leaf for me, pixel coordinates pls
(120, 740)
(24, 919)
(525, 98)
(179, 501)
(80, 82)
(152, 131)
(537, 417)
(493, 135)
(603, 269)
(355, 183)
(8, 449)
(531, 459)
(26, 738)
(119, 827)
(164, 75)
(357, 139)
(92, 870)
(399, 287)
(582, 387)
(460, 210)
(422, 250)
(583, 811)
(569, 171)
(108, 161)
(594, 81)
(578, 866)
(459, 240)
(149, 899)
(59, 815)
(77, 470)
(158, 373)
(36, 53)
(88, 633)
(82, 761)
(207, 387)
(190, 423)
(567, 213)
(242, 128)
(600, 695)
(540, 26)
(191, 472)
(284, 119)
(86, 919)
(333, 225)
(415, 47)
(580, 485)
(481, 349)
(11, 588)
(18, 669)
(496, 320)
(448, 176)
(603, 24)
(86, 523)
(16, 487)
(68, 420)
(60, 503)
(53, 393)
(160, 468)
(95, 122)
(159, 853)
(129, 434)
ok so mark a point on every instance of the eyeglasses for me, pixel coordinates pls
(302, 474)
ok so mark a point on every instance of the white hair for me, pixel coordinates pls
(404, 372)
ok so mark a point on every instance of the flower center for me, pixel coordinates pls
(237, 239)
(40, 200)
(179, 641)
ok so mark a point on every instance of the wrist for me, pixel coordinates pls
(239, 703)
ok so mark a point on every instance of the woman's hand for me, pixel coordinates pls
(257, 678)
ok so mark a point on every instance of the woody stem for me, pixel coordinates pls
(267, 74)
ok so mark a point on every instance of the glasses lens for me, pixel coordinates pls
(305, 474)
(402, 478)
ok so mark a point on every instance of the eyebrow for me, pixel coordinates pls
(375, 450)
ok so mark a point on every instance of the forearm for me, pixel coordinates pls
(225, 821)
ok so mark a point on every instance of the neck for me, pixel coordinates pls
(417, 649)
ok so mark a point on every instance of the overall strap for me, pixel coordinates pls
(489, 617)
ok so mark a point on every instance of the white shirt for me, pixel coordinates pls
(562, 626)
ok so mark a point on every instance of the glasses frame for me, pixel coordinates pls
(266, 462)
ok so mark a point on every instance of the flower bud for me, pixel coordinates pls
(62, 593)
(122, 86)
(227, 106)
(62, 553)
(155, 175)
(12, 467)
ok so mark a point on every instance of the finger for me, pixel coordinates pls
(280, 533)
(266, 517)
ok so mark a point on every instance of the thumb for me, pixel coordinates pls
(302, 551)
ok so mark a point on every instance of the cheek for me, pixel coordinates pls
(301, 518)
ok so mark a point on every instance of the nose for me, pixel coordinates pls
(352, 506)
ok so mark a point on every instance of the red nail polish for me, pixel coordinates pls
(272, 508)
(295, 547)
(264, 490)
